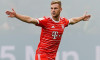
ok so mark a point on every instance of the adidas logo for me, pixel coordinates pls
(53, 27)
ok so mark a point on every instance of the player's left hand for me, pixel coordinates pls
(86, 17)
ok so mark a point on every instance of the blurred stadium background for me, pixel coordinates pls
(19, 40)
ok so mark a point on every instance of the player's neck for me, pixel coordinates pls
(56, 18)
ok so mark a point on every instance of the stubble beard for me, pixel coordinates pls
(56, 15)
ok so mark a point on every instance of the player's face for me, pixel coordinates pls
(55, 10)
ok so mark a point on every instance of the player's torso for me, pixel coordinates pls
(54, 29)
(51, 35)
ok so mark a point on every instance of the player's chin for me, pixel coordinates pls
(54, 15)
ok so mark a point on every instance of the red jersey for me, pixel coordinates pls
(51, 34)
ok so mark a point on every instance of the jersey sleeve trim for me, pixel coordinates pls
(69, 21)
(37, 21)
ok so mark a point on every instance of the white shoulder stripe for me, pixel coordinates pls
(41, 18)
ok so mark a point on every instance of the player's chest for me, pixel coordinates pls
(55, 27)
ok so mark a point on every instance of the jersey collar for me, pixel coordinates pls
(55, 20)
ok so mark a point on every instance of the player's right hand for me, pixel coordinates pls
(11, 13)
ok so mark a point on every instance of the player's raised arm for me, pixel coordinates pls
(23, 18)
(85, 17)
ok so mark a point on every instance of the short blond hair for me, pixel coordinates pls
(56, 2)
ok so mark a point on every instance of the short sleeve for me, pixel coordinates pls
(41, 22)
(66, 22)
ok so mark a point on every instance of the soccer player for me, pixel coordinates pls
(52, 29)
